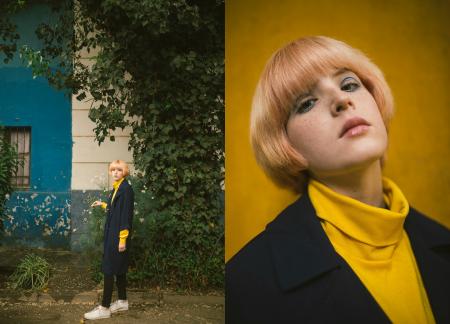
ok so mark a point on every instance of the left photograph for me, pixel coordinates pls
(112, 161)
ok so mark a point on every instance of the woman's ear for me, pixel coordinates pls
(306, 164)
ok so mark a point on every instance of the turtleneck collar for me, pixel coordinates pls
(371, 225)
(117, 183)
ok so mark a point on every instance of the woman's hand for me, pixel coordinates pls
(122, 247)
(96, 203)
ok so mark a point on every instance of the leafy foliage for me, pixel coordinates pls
(9, 163)
(158, 67)
(8, 31)
(32, 273)
(156, 258)
(91, 241)
(159, 256)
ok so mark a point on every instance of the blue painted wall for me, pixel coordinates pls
(41, 215)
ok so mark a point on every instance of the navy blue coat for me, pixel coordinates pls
(290, 273)
(119, 216)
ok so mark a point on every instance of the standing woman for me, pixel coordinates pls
(350, 249)
(116, 243)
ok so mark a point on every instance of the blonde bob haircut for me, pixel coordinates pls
(291, 71)
(121, 164)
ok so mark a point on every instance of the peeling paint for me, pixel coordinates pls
(40, 215)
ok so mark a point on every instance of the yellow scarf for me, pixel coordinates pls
(116, 187)
(375, 245)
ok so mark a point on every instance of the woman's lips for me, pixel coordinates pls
(354, 126)
(356, 130)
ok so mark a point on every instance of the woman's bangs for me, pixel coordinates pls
(304, 71)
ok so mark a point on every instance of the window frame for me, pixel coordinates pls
(18, 181)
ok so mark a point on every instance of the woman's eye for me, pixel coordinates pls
(305, 106)
(350, 86)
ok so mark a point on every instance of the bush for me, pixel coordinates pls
(32, 273)
(92, 241)
(169, 252)
(8, 167)
(159, 254)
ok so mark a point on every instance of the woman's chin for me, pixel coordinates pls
(362, 155)
(348, 166)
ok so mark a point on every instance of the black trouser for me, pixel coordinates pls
(121, 281)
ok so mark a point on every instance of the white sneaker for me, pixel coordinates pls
(97, 313)
(119, 306)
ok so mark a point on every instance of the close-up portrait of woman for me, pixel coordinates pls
(345, 241)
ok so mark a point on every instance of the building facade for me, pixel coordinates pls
(64, 168)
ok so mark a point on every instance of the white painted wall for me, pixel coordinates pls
(89, 160)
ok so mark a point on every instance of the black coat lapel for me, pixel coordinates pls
(297, 232)
(119, 191)
(297, 236)
(427, 240)
(110, 197)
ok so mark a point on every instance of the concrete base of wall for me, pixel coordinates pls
(37, 219)
(49, 219)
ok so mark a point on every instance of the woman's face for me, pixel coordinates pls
(337, 126)
(116, 172)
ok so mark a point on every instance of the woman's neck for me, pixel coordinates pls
(364, 184)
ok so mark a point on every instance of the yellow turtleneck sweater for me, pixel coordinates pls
(124, 233)
(375, 245)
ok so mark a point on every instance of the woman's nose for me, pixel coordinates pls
(341, 103)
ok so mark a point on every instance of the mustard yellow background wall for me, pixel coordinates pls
(407, 39)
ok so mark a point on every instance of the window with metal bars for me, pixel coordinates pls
(20, 137)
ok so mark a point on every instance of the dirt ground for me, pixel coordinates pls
(69, 271)
(70, 277)
(151, 314)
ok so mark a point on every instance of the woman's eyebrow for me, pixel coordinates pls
(303, 95)
(310, 89)
(340, 71)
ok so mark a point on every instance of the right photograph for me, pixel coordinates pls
(337, 162)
